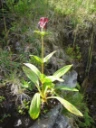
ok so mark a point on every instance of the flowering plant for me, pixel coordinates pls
(45, 84)
(42, 24)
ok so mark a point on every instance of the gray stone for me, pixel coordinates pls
(18, 123)
(54, 119)
(62, 122)
(49, 120)
(70, 79)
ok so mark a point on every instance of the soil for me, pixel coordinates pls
(9, 115)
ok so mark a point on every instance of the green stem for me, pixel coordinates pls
(42, 54)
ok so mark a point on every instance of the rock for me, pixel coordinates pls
(49, 120)
(70, 79)
(18, 123)
(62, 122)
(54, 119)
(23, 122)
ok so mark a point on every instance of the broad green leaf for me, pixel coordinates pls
(71, 108)
(48, 57)
(33, 68)
(54, 78)
(46, 83)
(62, 71)
(34, 110)
(44, 91)
(31, 75)
(47, 87)
(37, 59)
(44, 79)
(63, 87)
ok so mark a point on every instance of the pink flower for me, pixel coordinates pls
(42, 24)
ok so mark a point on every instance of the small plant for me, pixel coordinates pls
(2, 98)
(4, 117)
(7, 65)
(78, 100)
(46, 88)
(87, 120)
(74, 52)
(23, 107)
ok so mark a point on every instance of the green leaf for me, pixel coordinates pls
(71, 108)
(63, 87)
(29, 85)
(44, 79)
(62, 71)
(25, 84)
(46, 83)
(34, 110)
(54, 78)
(33, 68)
(32, 72)
(37, 59)
(48, 57)
(47, 87)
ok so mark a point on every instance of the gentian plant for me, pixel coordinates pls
(42, 24)
(46, 87)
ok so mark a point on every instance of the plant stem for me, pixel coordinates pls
(90, 55)
(42, 53)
